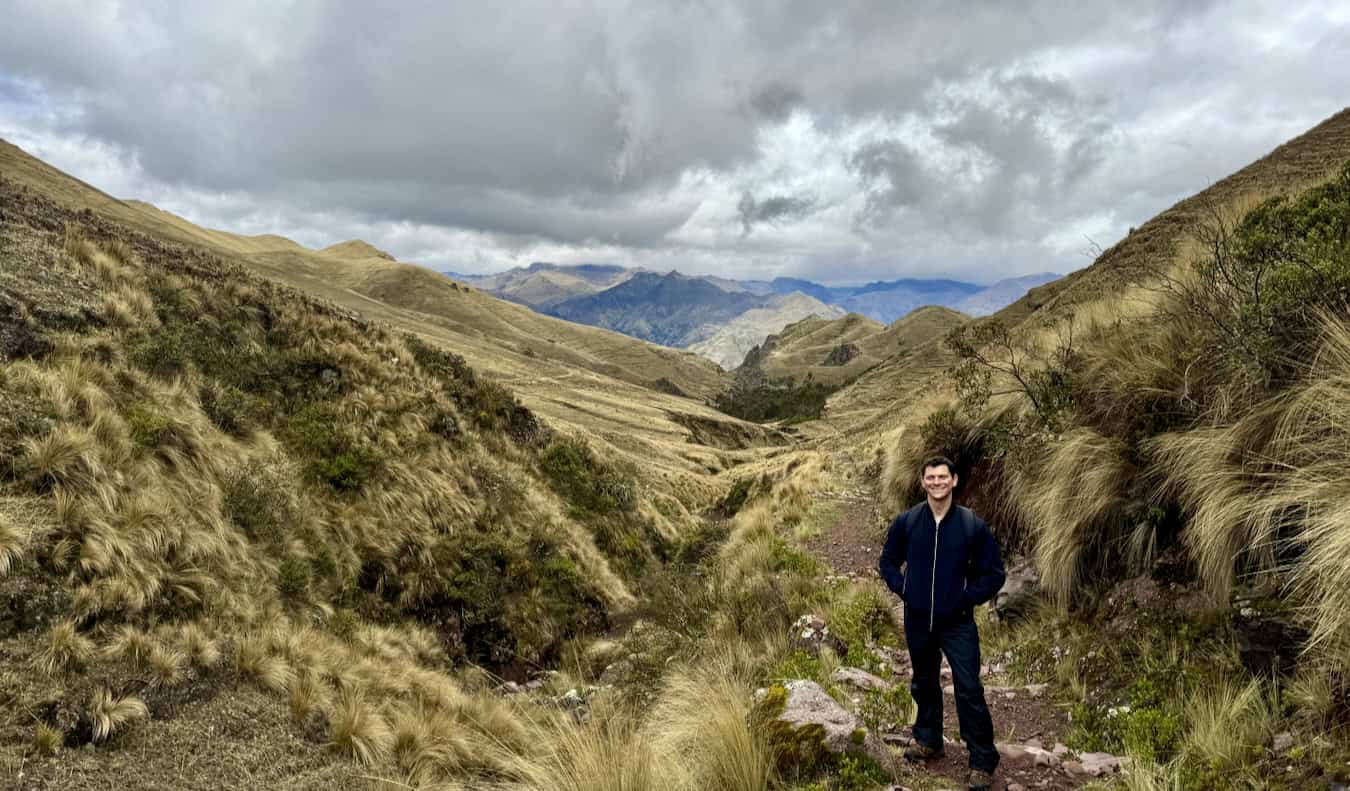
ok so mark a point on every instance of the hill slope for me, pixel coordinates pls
(839, 350)
(582, 378)
(875, 402)
(727, 347)
(670, 309)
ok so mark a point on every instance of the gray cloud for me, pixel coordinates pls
(971, 137)
(773, 209)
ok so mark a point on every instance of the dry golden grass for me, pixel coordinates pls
(109, 714)
(47, 740)
(11, 544)
(1072, 501)
(357, 729)
(63, 648)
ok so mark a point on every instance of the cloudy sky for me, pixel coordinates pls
(843, 141)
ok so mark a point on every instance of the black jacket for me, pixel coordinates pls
(948, 568)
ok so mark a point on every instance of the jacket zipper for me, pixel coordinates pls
(932, 596)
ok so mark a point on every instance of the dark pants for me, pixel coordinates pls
(956, 637)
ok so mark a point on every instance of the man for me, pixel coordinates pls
(951, 563)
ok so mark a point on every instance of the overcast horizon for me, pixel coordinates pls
(748, 139)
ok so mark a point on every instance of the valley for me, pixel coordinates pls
(275, 516)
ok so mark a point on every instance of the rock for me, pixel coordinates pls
(1041, 756)
(859, 679)
(810, 634)
(571, 700)
(1093, 765)
(1037, 690)
(1060, 750)
(1268, 644)
(1018, 592)
(1037, 743)
(1015, 787)
(1010, 751)
(806, 720)
(1283, 742)
(510, 688)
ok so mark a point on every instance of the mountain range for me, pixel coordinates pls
(723, 318)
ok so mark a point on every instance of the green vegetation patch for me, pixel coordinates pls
(333, 453)
(766, 402)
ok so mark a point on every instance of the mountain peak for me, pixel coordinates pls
(356, 248)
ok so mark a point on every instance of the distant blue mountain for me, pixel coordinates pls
(676, 310)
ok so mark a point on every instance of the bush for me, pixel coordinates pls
(293, 577)
(771, 401)
(260, 500)
(333, 454)
(232, 410)
(162, 353)
(148, 427)
(591, 486)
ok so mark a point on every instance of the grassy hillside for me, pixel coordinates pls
(1184, 431)
(879, 402)
(633, 398)
(213, 484)
(840, 350)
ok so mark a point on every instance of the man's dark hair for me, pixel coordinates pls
(938, 461)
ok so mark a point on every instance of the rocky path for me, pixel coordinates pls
(1029, 727)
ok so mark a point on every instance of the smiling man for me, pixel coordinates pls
(942, 560)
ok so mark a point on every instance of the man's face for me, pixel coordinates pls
(938, 482)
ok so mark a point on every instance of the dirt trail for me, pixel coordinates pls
(851, 545)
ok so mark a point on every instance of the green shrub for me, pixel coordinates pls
(792, 559)
(860, 773)
(148, 427)
(591, 486)
(798, 664)
(887, 711)
(765, 402)
(260, 499)
(333, 454)
(293, 577)
(162, 353)
(232, 410)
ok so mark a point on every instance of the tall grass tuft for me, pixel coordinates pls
(703, 723)
(11, 545)
(108, 714)
(63, 648)
(356, 729)
(1228, 723)
(1073, 502)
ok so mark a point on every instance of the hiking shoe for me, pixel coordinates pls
(922, 752)
(980, 780)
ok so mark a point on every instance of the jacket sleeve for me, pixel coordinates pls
(893, 555)
(986, 574)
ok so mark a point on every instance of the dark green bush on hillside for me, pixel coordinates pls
(490, 406)
(1255, 296)
(590, 485)
(765, 402)
(332, 452)
(232, 410)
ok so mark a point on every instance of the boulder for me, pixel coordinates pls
(807, 727)
(1093, 765)
(859, 679)
(1019, 591)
